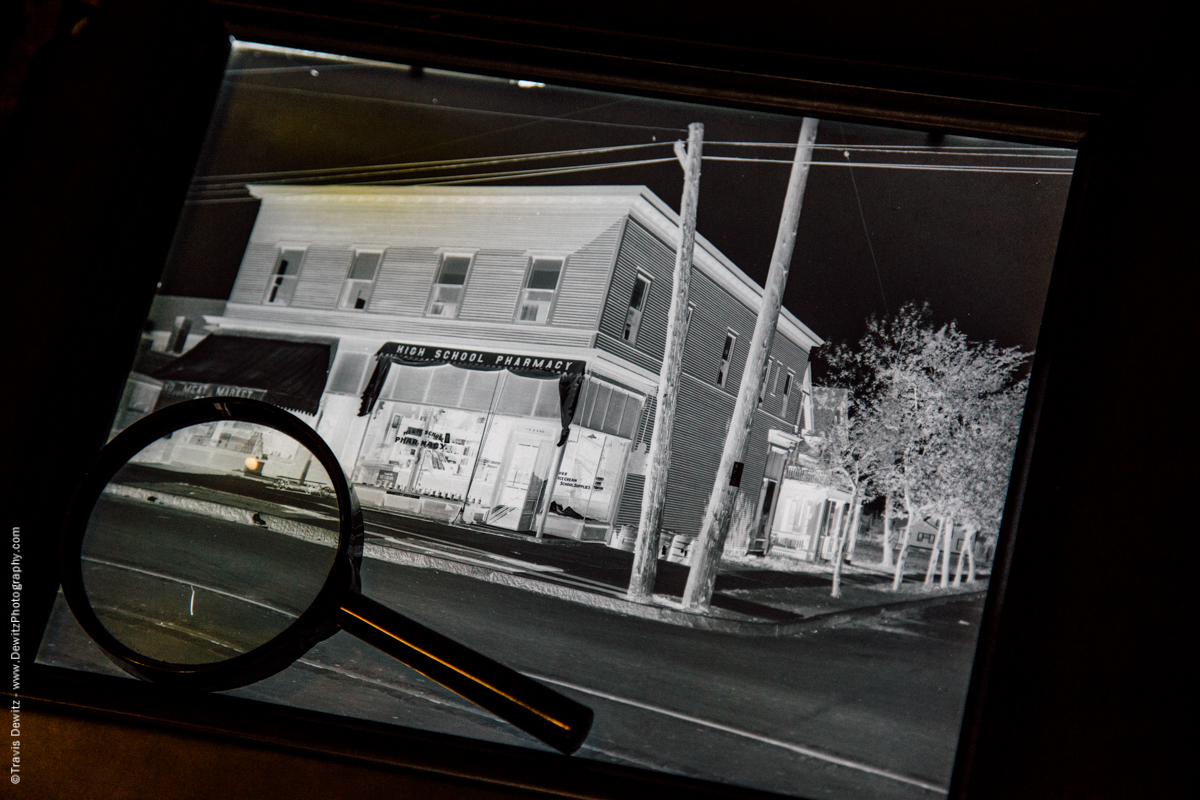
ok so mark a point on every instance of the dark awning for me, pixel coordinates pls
(287, 374)
(568, 372)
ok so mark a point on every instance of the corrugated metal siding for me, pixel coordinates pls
(255, 272)
(584, 282)
(321, 276)
(493, 285)
(404, 280)
(640, 250)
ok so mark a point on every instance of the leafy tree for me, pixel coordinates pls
(933, 422)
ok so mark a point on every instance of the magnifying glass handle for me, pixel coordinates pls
(538, 710)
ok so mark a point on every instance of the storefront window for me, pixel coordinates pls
(592, 469)
(425, 433)
(589, 477)
(513, 470)
(516, 458)
(489, 440)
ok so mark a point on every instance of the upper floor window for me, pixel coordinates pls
(363, 270)
(726, 358)
(445, 298)
(788, 380)
(804, 419)
(762, 384)
(637, 302)
(283, 277)
(541, 285)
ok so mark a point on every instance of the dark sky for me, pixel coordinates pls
(977, 246)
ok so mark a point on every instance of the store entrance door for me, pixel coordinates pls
(520, 483)
(760, 536)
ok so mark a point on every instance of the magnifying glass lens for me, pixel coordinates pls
(210, 542)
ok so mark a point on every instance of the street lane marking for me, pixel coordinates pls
(795, 748)
(230, 595)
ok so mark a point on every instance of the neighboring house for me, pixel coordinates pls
(440, 339)
(813, 500)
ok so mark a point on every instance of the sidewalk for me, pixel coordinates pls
(753, 596)
(749, 599)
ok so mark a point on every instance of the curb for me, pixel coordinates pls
(669, 616)
(602, 602)
(243, 516)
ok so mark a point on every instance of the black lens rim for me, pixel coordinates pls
(314, 625)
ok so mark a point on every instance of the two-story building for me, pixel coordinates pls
(440, 339)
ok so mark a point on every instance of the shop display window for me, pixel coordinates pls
(424, 436)
(589, 477)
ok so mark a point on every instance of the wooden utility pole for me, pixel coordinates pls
(707, 553)
(645, 551)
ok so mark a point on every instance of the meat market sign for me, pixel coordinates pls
(174, 391)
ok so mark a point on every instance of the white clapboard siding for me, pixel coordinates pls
(640, 251)
(702, 413)
(322, 274)
(702, 417)
(404, 280)
(451, 217)
(417, 330)
(584, 283)
(793, 357)
(493, 285)
(257, 264)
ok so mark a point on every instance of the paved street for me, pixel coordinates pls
(869, 709)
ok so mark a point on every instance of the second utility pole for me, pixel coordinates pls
(645, 550)
(706, 556)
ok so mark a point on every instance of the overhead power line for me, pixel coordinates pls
(234, 189)
(416, 166)
(1018, 149)
(929, 167)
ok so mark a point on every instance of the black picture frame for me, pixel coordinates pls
(1057, 648)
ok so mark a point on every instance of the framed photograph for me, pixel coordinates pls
(708, 406)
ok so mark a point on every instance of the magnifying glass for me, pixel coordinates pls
(214, 542)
